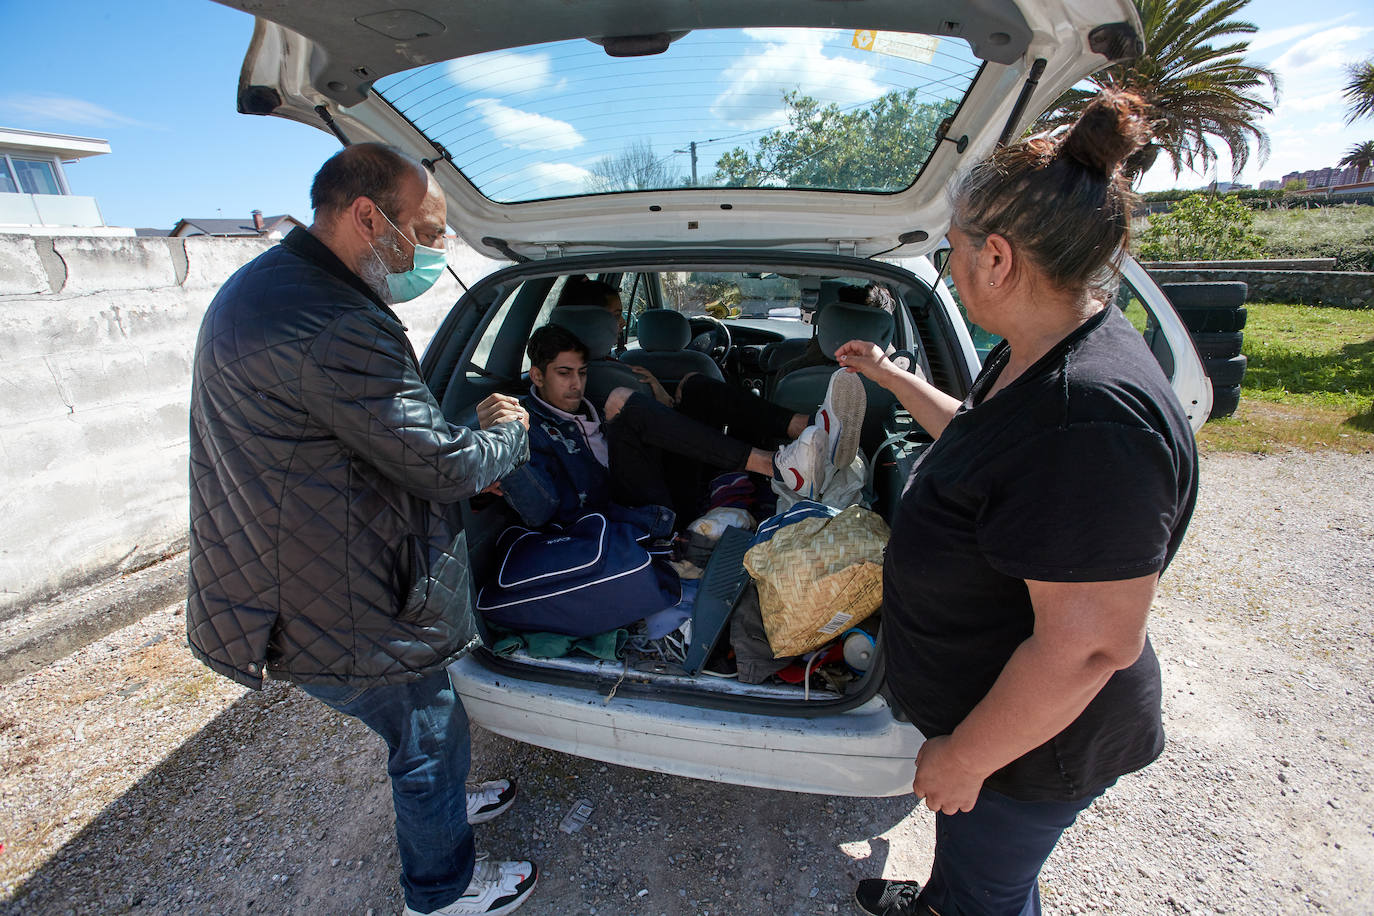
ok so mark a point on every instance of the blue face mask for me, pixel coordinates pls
(427, 264)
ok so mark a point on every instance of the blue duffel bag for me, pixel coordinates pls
(593, 576)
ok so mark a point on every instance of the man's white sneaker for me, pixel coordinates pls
(801, 464)
(486, 800)
(496, 888)
(842, 416)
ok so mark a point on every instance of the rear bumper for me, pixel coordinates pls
(862, 751)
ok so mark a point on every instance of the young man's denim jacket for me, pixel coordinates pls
(563, 481)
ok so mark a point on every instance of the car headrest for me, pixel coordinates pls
(841, 322)
(664, 329)
(593, 325)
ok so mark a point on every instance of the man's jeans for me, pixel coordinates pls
(426, 732)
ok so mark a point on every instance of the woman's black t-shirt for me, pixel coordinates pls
(1083, 469)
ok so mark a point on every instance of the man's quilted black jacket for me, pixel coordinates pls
(325, 540)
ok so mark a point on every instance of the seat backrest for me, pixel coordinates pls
(591, 324)
(802, 390)
(663, 333)
(841, 322)
(782, 351)
(598, 331)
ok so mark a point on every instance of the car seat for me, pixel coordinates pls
(598, 330)
(776, 357)
(803, 390)
(663, 334)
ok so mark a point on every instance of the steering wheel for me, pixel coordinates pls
(712, 337)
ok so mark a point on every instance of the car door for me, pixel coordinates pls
(1149, 309)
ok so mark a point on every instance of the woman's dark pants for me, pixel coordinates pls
(988, 860)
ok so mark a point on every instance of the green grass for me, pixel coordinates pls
(1310, 382)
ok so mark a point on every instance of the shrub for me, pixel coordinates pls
(1344, 232)
(1201, 228)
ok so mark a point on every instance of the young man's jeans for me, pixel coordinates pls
(744, 414)
(641, 439)
(426, 732)
(988, 860)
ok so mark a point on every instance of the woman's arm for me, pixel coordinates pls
(928, 405)
(1084, 633)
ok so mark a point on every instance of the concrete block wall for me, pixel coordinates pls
(1341, 289)
(96, 338)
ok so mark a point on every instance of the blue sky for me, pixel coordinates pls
(156, 78)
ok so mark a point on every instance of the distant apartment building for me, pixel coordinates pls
(35, 198)
(1348, 180)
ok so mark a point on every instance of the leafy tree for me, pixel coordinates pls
(879, 147)
(634, 168)
(1293, 185)
(1361, 155)
(1195, 79)
(1201, 228)
(1359, 92)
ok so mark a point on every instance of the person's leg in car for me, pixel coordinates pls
(744, 413)
(639, 429)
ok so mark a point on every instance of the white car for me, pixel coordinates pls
(699, 156)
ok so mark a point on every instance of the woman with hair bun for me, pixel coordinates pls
(1031, 535)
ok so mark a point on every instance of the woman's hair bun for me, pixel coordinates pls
(1111, 128)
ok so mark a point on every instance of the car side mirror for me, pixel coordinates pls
(940, 258)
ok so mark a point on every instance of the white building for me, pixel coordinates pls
(35, 198)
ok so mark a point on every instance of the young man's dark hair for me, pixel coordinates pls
(578, 290)
(371, 170)
(549, 341)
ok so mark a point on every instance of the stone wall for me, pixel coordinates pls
(96, 337)
(1343, 289)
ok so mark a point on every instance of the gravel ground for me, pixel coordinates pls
(135, 781)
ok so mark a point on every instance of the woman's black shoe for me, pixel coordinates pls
(881, 897)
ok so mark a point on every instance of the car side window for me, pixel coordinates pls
(1134, 308)
(983, 340)
(480, 364)
(635, 296)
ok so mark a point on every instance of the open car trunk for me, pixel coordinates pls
(479, 350)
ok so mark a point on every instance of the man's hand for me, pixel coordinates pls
(648, 378)
(943, 780)
(501, 408)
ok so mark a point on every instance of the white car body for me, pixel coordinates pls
(316, 62)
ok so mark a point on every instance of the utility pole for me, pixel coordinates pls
(692, 148)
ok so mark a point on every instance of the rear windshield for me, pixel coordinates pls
(776, 108)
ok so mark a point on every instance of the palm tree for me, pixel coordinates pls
(1359, 92)
(1361, 156)
(1196, 81)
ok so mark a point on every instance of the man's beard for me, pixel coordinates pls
(374, 271)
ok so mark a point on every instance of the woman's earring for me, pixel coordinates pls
(992, 283)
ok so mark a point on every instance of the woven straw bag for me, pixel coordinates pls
(818, 577)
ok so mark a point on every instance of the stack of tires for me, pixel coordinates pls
(1215, 316)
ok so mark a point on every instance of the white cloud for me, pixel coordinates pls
(549, 179)
(65, 110)
(1323, 51)
(1270, 38)
(506, 72)
(526, 129)
(1321, 101)
(790, 60)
